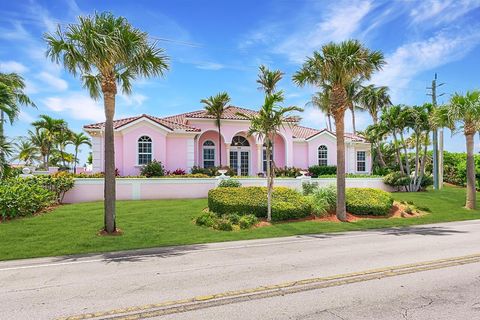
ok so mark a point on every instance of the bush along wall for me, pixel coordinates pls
(368, 201)
(23, 197)
(316, 171)
(286, 203)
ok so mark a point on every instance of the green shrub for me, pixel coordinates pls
(207, 219)
(286, 203)
(22, 197)
(289, 172)
(317, 170)
(153, 169)
(223, 224)
(397, 179)
(368, 201)
(58, 183)
(427, 181)
(309, 187)
(324, 200)
(229, 183)
(247, 221)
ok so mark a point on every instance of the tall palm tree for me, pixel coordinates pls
(338, 65)
(374, 99)
(12, 96)
(62, 140)
(268, 79)
(52, 128)
(463, 113)
(320, 100)
(215, 106)
(394, 119)
(77, 140)
(6, 149)
(26, 152)
(106, 52)
(266, 124)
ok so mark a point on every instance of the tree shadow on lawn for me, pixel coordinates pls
(423, 231)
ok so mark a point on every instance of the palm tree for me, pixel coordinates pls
(463, 113)
(12, 96)
(62, 140)
(336, 66)
(6, 150)
(266, 125)
(353, 91)
(40, 140)
(268, 79)
(26, 152)
(215, 106)
(52, 129)
(394, 119)
(320, 100)
(375, 134)
(374, 99)
(77, 140)
(106, 52)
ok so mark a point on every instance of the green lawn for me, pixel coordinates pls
(72, 229)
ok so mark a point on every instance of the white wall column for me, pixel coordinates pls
(227, 151)
(259, 158)
(190, 153)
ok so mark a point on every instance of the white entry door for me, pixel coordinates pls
(240, 162)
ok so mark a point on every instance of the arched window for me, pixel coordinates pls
(239, 141)
(208, 154)
(322, 155)
(144, 150)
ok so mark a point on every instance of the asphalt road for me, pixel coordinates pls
(425, 272)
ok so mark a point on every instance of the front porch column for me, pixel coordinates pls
(227, 151)
(259, 158)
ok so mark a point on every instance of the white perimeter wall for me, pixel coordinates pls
(86, 190)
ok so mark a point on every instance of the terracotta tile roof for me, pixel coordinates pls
(180, 122)
(172, 125)
(301, 132)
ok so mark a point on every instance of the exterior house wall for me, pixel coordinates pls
(130, 141)
(300, 151)
(177, 153)
(326, 140)
(213, 136)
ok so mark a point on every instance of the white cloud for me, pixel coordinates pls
(210, 66)
(53, 81)
(12, 66)
(76, 105)
(135, 99)
(413, 58)
(25, 117)
(339, 22)
(441, 11)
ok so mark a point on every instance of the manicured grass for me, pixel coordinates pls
(72, 229)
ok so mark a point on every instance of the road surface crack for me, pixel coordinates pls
(405, 313)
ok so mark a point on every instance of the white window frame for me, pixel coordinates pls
(208, 147)
(364, 161)
(325, 148)
(144, 153)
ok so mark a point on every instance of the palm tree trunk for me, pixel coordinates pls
(381, 161)
(269, 181)
(109, 191)
(329, 122)
(2, 135)
(405, 153)
(339, 118)
(471, 192)
(219, 144)
(397, 152)
(352, 109)
(75, 161)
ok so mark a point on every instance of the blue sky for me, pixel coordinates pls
(218, 45)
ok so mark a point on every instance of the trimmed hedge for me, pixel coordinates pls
(368, 201)
(316, 171)
(286, 203)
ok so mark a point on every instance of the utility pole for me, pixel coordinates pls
(437, 170)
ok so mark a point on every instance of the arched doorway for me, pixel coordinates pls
(240, 156)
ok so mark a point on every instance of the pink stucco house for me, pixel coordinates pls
(191, 139)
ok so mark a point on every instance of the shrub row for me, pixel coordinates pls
(286, 203)
(368, 201)
(226, 222)
(316, 171)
